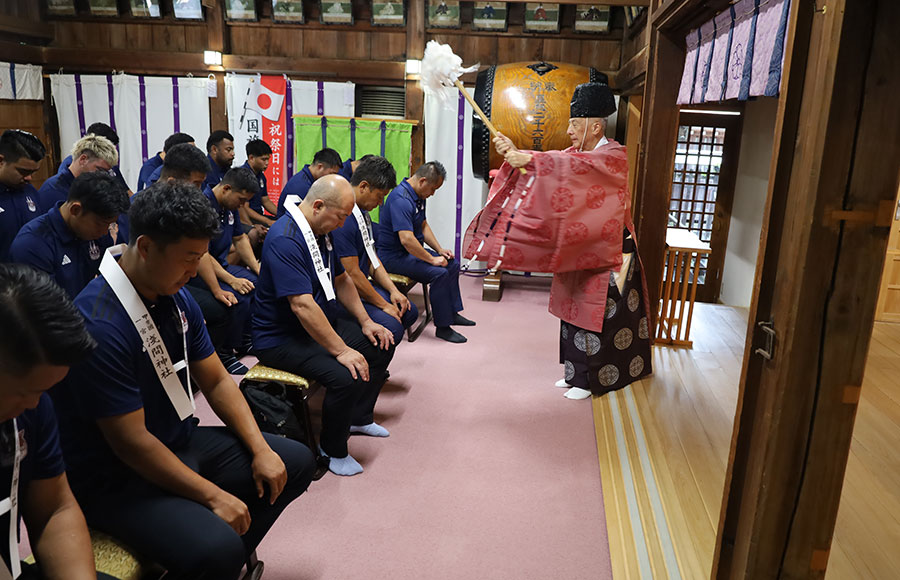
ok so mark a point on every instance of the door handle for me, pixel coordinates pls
(768, 351)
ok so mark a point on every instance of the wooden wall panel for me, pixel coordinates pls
(353, 45)
(561, 50)
(388, 46)
(140, 36)
(168, 38)
(512, 49)
(29, 116)
(320, 44)
(604, 56)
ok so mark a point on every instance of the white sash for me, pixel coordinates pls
(290, 204)
(365, 228)
(11, 505)
(153, 344)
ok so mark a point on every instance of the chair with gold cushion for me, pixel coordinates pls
(404, 284)
(119, 561)
(299, 390)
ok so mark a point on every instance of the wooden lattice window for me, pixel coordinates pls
(695, 182)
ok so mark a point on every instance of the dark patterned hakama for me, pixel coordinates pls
(620, 354)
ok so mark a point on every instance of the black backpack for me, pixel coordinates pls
(272, 410)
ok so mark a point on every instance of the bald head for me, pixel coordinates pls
(327, 204)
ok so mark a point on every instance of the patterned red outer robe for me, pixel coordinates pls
(569, 223)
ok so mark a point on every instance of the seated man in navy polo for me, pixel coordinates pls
(195, 499)
(350, 166)
(152, 167)
(402, 231)
(21, 154)
(296, 326)
(68, 241)
(372, 179)
(219, 283)
(43, 334)
(258, 155)
(220, 150)
(325, 162)
(90, 153)
(101, 130)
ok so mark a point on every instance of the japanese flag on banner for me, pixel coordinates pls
(268, 102)
(274, 129)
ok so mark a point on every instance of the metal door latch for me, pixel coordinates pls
(768, 329)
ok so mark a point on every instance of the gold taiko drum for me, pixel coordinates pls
(529, 103)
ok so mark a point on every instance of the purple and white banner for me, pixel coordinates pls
(21, 82)
(448, 139)
(143, 110)
(737, 55)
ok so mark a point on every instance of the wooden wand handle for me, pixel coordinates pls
(481, 114)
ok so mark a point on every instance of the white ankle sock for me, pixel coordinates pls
(562, 384)
(372, 430)
(343, 465)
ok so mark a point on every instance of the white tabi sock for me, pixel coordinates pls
(576, 394)
(372, 430)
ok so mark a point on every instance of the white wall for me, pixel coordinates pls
(749, 201)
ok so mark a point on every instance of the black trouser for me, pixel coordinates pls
(183, 536)
(225, 324)
(348, 401)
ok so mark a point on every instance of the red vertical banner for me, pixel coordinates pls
(275, 133)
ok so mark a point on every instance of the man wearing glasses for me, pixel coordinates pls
(20, 156)
(90, 153)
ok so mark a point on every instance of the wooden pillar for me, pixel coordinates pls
(818, 284)
(215, 21)
(415, 98)
(655, 162)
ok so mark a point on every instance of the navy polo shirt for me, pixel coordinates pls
(56, 188)
(256, 203)
(230, 224)
(348, 242)
(347, 170)
(298, 184)
(119, 378)
(43, 460)
(402, 210)
(49, 245)
(287, 270)
(147, 170)
(215, 174)
(116, 172)
(17, 208)
(154, 177)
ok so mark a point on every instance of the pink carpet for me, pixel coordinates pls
(489, 472)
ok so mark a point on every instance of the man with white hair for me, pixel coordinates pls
(90, 153)
(296, 322)
(577, 224)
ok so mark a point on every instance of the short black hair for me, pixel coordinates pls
(258, 148)
(433, 171)
(328, 158)
(376, 171)
(103, 130)
(217, 137)
(182, 160)
(176, 139)
(169, 211)
(15, 144)
(241, 179)
(99, 193)
(40, 323)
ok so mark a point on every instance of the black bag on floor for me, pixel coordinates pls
(272, 411)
